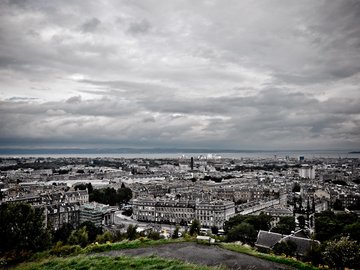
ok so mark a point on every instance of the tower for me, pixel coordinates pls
(304, 216)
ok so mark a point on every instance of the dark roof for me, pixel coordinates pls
(267, 239)
(302, 244)
(301, 234)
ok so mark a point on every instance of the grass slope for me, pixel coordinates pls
(269, 257)
(74, 257)
(109, 263)
(66, 250)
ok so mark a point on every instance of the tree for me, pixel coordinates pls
(342, 253)
(326, 226)
(285, 247)
(154, 235)
(195, 227)
(96, 196)
(330, 226)
(346, 218)
(131, 232)
(176, 233)
(22, 228)
(314, 255)
(105, 237)
(285, 225)
(80, 186)
(79, 237)
(110, 195)
(338, 205)
(243, 232)
(214, 230)
(353, 231)
(63, 233)
(124, 195)
(296, 187)
(92, 230)
(90, 188)
(259, 222)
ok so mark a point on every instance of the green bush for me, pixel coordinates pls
(14, 257)
(285, 247)
(154, 235)
(65, 250)
(243, 232)
(97, 248)
(79, 237)
(105, 237)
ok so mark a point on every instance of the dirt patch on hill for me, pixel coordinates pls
(201, 254)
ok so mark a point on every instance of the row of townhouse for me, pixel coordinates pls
(58, 207)
(56, 215)
(76, 213)
(209, 213)
(245, 194)
(48, 198)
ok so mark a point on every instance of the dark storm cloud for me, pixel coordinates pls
(248, 74)
(280, 118)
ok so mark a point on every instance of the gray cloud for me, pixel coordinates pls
(140, 27)
(187, 74)
(90, 25)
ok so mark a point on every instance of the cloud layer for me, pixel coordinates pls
(240, 75)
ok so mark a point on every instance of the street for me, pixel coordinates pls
(122, 219)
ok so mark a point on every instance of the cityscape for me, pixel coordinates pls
(163, 197)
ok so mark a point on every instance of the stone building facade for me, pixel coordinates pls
(209, 213)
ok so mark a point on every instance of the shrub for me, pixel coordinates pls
(154, 235)
(285, 247)
(105, 237)
(65, 250)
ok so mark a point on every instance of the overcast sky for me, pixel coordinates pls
(208, 74)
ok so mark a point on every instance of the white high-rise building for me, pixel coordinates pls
(307, 171)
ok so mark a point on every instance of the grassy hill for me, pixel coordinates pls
(82, 262)
(75, 257)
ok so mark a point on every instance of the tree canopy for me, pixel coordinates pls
(243, 232)
(285, 225)
(22, 227)
(342, 253)
(195, 227)
(330, 226)
(285, 247)
(111, 196)
(259, 222)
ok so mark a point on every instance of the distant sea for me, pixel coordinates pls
(155, 153)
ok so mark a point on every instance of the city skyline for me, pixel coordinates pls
(264, 75)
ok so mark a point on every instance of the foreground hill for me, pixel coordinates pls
(83, 262)
(201, 255)
(157, 255)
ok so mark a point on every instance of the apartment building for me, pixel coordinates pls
(209, 213)
(214, 213)
(97, 213)
(57, 215)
